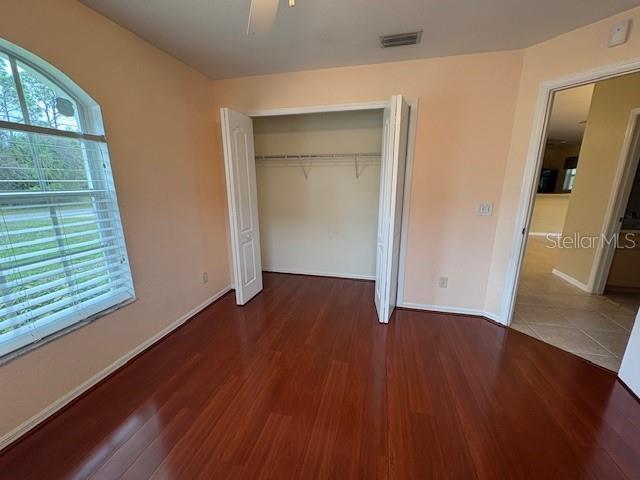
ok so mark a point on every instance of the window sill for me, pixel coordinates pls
(5, 359)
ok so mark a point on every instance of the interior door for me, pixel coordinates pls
(392, 175)
(240, 167)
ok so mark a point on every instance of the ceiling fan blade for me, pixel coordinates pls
(262, 15)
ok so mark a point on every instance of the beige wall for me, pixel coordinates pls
(159, 124)
(463, 126)
(549, 212)
(327, 222)
(575, 52)
(611, 107)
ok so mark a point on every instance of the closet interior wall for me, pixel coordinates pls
(318, 178)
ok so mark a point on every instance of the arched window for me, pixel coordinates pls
(62, 253)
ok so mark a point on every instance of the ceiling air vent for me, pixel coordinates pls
(400, 39)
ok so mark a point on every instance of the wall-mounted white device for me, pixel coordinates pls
(619, 33)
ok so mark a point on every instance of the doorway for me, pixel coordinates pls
(578, 287)
(299, 185)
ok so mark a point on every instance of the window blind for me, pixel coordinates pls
(62, 251)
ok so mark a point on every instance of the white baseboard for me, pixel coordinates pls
(455, 310)
(38, 418)
(354, 276)
(545, 234)
(569, 279)
(493, 316)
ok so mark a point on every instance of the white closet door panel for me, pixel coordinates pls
(381, 251)
(392, 176)
(239, 156)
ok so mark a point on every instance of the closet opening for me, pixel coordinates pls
(318, 185)
(318, 193)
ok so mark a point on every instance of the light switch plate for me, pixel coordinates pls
(485, 209)
(619, 33)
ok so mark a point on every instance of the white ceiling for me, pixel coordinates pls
(569, 114)
(210, 34)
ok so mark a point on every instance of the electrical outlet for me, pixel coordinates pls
(443, 282)
(205, 277)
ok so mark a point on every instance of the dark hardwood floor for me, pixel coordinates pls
(304, 383)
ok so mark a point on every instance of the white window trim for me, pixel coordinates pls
(63, 322)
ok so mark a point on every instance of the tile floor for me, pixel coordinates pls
(550, 309)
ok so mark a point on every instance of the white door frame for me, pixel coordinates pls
(381, 105)
(340, 107)
(534, 164)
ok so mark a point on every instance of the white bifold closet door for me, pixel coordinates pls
(240, 167)
(237, 134)
(392, 176)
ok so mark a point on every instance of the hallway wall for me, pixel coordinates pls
(600, 157)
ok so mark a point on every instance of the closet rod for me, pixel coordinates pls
(315, 155)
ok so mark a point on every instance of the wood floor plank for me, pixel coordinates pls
(303, 382)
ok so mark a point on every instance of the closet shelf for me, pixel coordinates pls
(306, 161)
